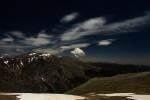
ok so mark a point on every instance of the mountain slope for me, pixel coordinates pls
(36, 72)
(130, 83)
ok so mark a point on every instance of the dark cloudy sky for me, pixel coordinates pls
(106, 30)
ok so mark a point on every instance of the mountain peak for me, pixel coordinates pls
(44, 72)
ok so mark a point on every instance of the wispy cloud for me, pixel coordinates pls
(98, 26)
(105, 42)
(12, 49)
(36, 41)
(7, 39)
(71, 37)
(81, 45)
(40, 40)
(77, 52)
(85, 28)
(61, 49)
(69, 17)
(15, 42)
(17, 34)
(48, 50)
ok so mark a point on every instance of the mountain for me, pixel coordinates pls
(39, 72)
(104, 69)
(124, 83)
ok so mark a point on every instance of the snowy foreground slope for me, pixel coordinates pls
(132, 96)
(31, 96)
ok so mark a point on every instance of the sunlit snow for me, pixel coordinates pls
(132, 96)
(31, 96)
(6, 62)
(32, 54)
(45, 55)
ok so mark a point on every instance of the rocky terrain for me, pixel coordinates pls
(37, 72)
(45, 73)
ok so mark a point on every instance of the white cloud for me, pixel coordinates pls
(36, 41)
(41, 39)
(78, 52)
(5, 40)
(60, 49)
(42, 34)
(17, 34)
(70, 17)
(93, 23)
(83, 29)
(105, 42)
(74, 46)
(48, 50)
(17, 42)
(98, 26)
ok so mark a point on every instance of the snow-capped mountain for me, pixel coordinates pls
(39, 72)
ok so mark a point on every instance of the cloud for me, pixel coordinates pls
(74, 46)
(78, 52)
(106, 42)
(82, 29)
(70, 17)
(70, 38)
(48, 50)
(41, 39)
(11, 49)
(36, 41)
(8, 39)
(60, 49)
(42, 34)
(98, 26)
(17, 34)
(16, 42)
(20, 39)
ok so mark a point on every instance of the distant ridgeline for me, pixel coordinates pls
(38, 72)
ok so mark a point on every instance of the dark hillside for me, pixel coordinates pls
(125, 83)
(38, 72)
(99, 69)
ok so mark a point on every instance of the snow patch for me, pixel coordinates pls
(1, 57)
(45, 55)
(31, 96)
(6, 62)
(128, 96)
(31, 54)
(21, 63)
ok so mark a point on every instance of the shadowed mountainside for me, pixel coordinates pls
(38, 72)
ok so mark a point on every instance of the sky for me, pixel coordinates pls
(92, 30)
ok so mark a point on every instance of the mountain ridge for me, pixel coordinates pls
(41, 72)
